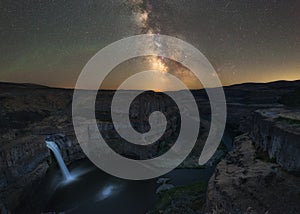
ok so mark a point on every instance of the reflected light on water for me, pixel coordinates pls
(108, 191)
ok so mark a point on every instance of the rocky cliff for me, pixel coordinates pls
(277, 131)
(261, 174)
(29, 113)
(23, 155)
(246, 181)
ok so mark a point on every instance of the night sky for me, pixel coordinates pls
(49, 41)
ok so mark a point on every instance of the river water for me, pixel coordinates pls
(94, 191)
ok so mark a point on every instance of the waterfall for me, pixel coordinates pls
(52, 145)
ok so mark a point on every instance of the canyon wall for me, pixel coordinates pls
(246, 182)
(261, 174)
(29, 113)
(277, 131)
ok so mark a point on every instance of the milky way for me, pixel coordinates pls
(49, 41)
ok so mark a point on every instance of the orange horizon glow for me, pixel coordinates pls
(67, 78)
(150, 89)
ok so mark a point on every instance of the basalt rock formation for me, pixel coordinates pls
(277, 132)
(246, 181)
(261, 174)
(30, 113)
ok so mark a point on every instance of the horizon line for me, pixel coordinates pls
(192, 89)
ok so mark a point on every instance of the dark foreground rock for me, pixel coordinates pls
(23, 165)
(245, 183)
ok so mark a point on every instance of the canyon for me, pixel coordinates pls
(263, 161)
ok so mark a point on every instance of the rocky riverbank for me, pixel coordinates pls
(261, 174)
(31, 113)
(247, 181)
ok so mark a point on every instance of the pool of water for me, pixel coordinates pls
(94, 191)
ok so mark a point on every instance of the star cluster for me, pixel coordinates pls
(49, 41)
